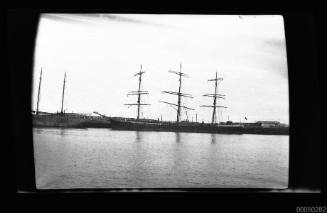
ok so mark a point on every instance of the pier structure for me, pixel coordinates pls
(179, 94)
(38, 94)
(215, 95)
(139, 92)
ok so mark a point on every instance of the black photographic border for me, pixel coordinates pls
(306, 147)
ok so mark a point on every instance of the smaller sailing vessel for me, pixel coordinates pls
(63, 119)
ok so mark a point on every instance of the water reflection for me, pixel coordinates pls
(38, 130)
(108, 158)
(62, 132)
(138, 136)
(213, 138)
(178, 137)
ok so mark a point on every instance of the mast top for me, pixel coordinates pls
(65, 76)
(180, 73)
(216, 78)
(141, 72)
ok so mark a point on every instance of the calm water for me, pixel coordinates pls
(92, 158)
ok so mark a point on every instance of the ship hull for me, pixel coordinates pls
(266, 130)
(172, 127)
(120, 124)
(58, 121)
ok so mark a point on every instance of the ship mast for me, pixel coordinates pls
(179, 94)
(215, 96)
(139, 92)
(38, 94)
(63, 94)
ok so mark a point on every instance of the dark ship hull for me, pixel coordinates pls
(121, 124)
(125, 124)
(68, 121)
(266, 130)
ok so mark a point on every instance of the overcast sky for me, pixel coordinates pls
(102, 52)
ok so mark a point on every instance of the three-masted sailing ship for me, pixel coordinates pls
(177, 126)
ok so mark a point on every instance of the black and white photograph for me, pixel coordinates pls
(160, 101)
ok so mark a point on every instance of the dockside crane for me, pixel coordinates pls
(179, 93)
(215, 96)
(139, 92)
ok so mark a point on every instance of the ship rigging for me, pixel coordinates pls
(215, 95)
(179, 94)
(139, 92)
